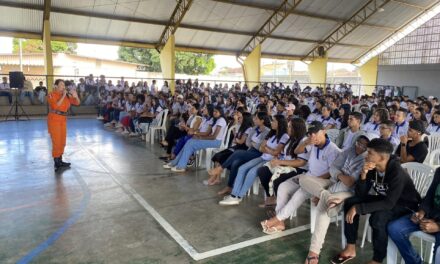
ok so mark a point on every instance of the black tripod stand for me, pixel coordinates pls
(14, 108)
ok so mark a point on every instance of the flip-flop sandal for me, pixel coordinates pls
(273, 230)
(264, 224)
(339, 259)
(309, 258)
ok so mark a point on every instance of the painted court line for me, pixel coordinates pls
(67, 224)
(176, 235)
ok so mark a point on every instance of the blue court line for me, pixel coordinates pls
(69, 222)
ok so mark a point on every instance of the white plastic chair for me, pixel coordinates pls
(421, 175)
(392, 249)
(433, 144)
(209, 151)
(434, 159)
(333, 134)
(158, 124)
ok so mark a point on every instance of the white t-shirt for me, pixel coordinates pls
(321, 159)
(401, 130)
(433, 128)
(221, 122)
(4, 86)
(206, 123)
(327, 121)
(371, 128)
(272, 143)
(256, 138)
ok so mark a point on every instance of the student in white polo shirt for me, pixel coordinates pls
(401, 128)
(290, 196)
(347, 136)
(379, 116)
(434, 126)
(327, 121)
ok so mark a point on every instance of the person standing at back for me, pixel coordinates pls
(59, 102)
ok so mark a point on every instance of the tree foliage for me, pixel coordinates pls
(186, 62)
(36, 46)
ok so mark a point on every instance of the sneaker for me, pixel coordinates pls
(229, 200)
(133, 134)
(108, 124)
(100, 118)
(175, 169)
(119, 125)
(190, 163)
(125, 132)
(167, 166)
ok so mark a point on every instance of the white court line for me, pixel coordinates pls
(177, 236)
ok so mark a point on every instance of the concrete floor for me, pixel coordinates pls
(93, 212)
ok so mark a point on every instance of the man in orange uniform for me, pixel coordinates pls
(59, 102)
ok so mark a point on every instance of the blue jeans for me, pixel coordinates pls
(190, 147)
(399, 231)
(246, 176)
(238, 158)
(29, 94)
(180, 144)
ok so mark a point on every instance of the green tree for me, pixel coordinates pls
(36, 46)
(186, 62)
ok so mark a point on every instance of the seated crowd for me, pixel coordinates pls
(281, 137)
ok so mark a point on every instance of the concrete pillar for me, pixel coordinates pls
(251, 68)
(48, 62)
(318, 72)
(168, 63)
(368, 73)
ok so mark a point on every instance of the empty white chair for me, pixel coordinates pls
(433, 144)
(434, 159)
(159, 124)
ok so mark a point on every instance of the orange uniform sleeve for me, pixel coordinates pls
(73, 101)
(52, 100)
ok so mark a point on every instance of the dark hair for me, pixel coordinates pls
(57, 81)
(222, 114)
(299, 131)
(357, 115)
(422, 112)
(210, 108)
(196, 106)
(281, 130)
(432, 118)
(403, 110)
(265, 117)
(245, 123)
(383, 114)
(380, 145)
(427, 103)
(304, 112)
(389, 124)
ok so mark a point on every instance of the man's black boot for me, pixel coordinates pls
(64, 164)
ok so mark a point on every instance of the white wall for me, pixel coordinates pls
(425, 76)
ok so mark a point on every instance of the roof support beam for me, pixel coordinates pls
(370, 8)
(176, 18)
(144, 45)
(298, 13)
(162, 23)
(270, 25)
(47, 45)
(408, 4)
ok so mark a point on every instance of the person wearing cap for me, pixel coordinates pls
(386, 192)
(426, 219)
(290, 196)
(401, 128)
(331, 193)
(347, 136)
(411, 147)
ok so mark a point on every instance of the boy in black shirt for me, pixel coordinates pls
(412, 148)
(394, 196)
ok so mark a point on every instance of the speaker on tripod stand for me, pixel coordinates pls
(16, 80)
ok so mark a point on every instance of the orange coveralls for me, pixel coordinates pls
(56, 123)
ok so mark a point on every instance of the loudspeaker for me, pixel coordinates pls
(16, 79)
(321, 51)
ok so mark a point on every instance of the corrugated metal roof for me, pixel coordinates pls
(221, 25)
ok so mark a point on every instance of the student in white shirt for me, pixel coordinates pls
(198, 142)
(401, 128)
(434, 126)
(386, 132)
(271, 147)
(379, 116)
(327, 121)
(290, 196)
